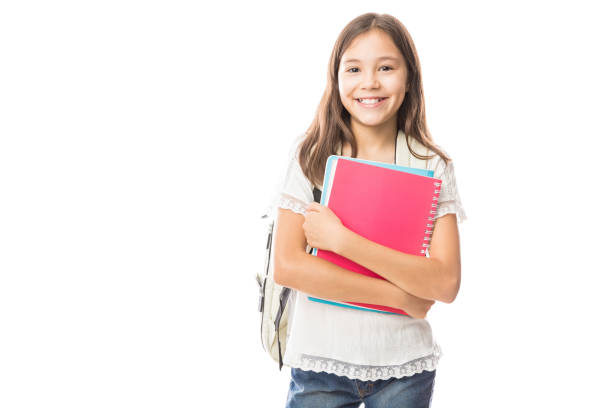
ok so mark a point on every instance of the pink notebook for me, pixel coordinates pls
(382, 203)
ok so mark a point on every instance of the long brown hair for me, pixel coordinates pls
(331, 125)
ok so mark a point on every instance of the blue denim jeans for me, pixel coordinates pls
(309, 389)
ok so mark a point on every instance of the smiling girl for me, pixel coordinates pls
(341, 357)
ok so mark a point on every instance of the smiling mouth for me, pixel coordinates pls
(370, 102)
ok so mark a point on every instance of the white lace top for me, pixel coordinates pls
(358, 344)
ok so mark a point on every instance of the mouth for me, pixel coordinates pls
(370, 102)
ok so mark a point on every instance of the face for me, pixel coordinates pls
(372, 67)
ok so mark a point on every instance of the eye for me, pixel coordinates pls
(384, 66)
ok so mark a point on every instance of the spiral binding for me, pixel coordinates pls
(434, 205)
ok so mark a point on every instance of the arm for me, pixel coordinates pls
(295, 268)
(437, 277)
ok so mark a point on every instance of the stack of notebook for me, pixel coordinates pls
(389, 204)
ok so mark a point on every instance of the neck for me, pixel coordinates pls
(375, 140)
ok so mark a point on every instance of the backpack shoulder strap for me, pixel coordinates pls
(403, 156)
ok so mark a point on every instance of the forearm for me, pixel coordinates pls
(420, 276)
(321, 278)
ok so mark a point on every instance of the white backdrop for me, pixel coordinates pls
(140, 142)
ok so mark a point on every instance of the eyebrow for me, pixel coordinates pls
(380, 59)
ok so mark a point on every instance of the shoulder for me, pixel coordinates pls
(296, 189)
(445, 171)
(440, 167)
(449, 200)
(294, 158)
(436, 162)
(294, 149)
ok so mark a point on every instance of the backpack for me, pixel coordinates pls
(273, 298)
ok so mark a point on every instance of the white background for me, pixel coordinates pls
(140, 142)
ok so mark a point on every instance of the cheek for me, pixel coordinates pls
(396, 85)
(344, 98)
(342, 88)
(346, 86)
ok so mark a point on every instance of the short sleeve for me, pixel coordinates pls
(295, 192)
(449, 201)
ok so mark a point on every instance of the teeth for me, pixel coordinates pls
(370, 100)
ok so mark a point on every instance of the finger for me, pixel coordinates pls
(312, 209)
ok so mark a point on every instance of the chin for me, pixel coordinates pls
(371, 122)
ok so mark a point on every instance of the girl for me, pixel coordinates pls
(341, 356)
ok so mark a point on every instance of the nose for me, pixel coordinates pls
(370, 81)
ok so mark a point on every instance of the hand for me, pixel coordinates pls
(323, 229)
(416, 307)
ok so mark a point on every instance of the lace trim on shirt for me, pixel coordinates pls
(370, 373)
(291, 203)
(451, 207)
